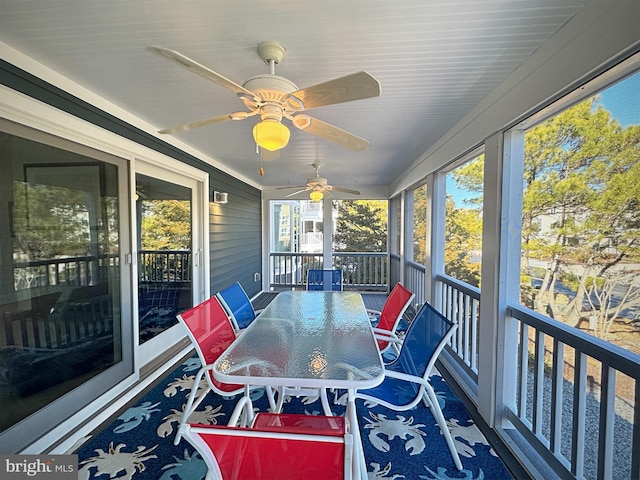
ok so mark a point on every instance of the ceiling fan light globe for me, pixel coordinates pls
(271, 134)
(316, 195)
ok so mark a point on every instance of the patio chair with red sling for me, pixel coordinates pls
(211, 332)
(282, 446)
(394, 308)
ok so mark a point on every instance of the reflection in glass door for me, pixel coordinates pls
(60, 286)
(165, 286)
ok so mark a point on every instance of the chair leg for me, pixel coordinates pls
(242, 415)
(325, 402)
(430, 397)
(191, 404)
(280, 401)
(272, 400)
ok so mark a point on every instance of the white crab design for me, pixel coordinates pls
(182, 384)
(402, 428)
(115, 461)
(471, 434)
(382, 473)
(207, 417)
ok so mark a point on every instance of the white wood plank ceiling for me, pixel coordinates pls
(435, 60)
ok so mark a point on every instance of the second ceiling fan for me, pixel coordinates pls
(272, 97)
(317, 186)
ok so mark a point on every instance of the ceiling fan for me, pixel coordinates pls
(272, 97)
(317, 186)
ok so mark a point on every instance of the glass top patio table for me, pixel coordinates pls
(306, 339)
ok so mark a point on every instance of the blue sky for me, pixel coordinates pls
(622, 100)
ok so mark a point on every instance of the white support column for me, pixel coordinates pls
(327, 236)
(402, 221)
(490, 314)
(502, 217)
(436, 213)
(407, 227)
(509, 270)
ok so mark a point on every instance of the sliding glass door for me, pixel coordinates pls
(169, 244)
(165, 286)
(62, 303)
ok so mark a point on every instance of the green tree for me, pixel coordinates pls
(361, 226)
(581, 213)
(463, 235)
(50, 221)
(166, 225)
(420, 225)
(584, 174)
(463, 224)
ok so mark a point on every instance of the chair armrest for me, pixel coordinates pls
(386, 335)
(406, 377)
(382, 331)
(374, 312)
(386, 338)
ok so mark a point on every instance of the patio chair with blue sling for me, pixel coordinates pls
(406, 381)
(210, 331)
(328, 280)
(282, 446)
(238, 306)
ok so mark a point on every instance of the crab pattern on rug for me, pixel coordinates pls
(138, 444)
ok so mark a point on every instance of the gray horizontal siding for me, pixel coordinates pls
(235, 235)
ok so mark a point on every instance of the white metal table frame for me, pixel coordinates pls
(309, 340)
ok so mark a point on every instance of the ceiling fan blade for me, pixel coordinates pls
(329, 132)
(201, 70)
(296, 193)
(199, 123)
(345, 190)
(345, 89)
(292, 186)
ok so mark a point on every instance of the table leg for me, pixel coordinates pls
(359, 463)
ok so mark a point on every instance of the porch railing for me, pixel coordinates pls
(162, 266)
(367, 271)
(460, 302)
(415, 281)
(79, 271)
(577, 398)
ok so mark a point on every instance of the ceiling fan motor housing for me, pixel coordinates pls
(272, 89)
(319, 181)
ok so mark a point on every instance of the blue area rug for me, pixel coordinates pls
(139, 444)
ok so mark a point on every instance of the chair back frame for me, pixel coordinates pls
(211, 332)
(327, 280)
(394, 308)
(406, 380)
(238, 305)
(272, 449)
